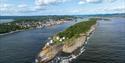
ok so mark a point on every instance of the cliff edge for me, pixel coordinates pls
(67, 41)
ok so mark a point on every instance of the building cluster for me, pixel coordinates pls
(31, 24)
(57, 38)
(39, 24)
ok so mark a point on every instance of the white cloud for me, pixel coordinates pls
(116, 9)
(101, 10)
(94, 1)
(89, 1)
(22, 6)
(109, 0)
(11, 9)
(81, 2)
(5, 7)
(44, 4)
(47, 2)
(42, 7)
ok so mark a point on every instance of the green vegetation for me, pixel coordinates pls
(30, 22)
(42, 18)
(77, 29)
(4, 28)
(74, 31)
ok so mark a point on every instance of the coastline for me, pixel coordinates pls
(32, 28)
(47, 55)
(78, 42)
(11, 32)
(81, 49)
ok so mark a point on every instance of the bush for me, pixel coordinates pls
(78, 28)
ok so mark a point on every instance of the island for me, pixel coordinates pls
(24, 23)
(67, 41)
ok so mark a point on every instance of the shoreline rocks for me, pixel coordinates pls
(78, 42)
(67, 48)
(50, 51)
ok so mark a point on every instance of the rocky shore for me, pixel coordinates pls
(50, 51)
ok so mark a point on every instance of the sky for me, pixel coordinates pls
(60, 7)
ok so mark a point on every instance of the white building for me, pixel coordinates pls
(63, 38)
(51, 41)
(47, 44)
(60, 40)
(57, 38)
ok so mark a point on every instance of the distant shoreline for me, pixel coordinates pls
(6, 20)
(28, 29)
(11, 32)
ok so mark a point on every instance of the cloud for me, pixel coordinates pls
(89, 1)
(48, 2)
(22, 6)
(6, 7)
(94, 1)
(81, 2)
(48, 7)
(109, 0)
(100, 10)
(44, 4)
(116, 9)
(11, 9)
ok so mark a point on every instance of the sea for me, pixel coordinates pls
(6, 20)
(106, 45)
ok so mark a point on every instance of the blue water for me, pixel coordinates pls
(23, 47)
(107, 45)
(6, 20)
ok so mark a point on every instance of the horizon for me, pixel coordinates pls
(60, 7)
(63, 15)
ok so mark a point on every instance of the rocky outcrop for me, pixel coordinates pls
(72, 45)
(50, 51)
(69, 47)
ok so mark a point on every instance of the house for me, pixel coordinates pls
(60, 40)
(57, 38)
(47, 44)
(51, 41)
(63, 38)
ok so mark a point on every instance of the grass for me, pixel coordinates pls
(76, 29)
